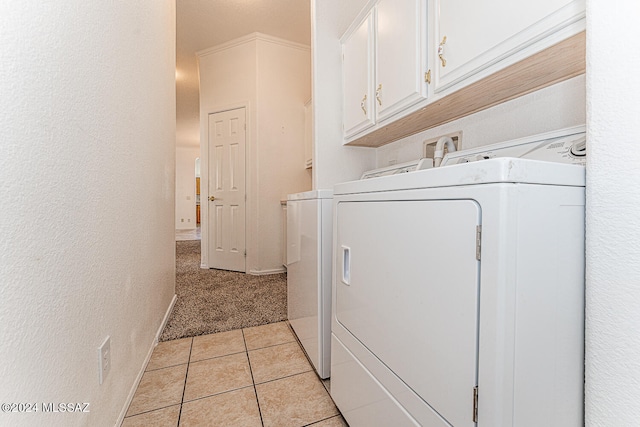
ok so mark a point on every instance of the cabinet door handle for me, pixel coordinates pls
(363, 105)
(441, 51)
(378, 92)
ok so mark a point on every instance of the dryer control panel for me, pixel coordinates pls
(566, 146)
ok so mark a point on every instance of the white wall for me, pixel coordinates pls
(87, 172)
(333, 163)
(613, 222)
(227, 76)
(186, 187)
(555, 107)
(271, 77)
(284, 85)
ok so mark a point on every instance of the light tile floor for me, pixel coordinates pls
(248, 377)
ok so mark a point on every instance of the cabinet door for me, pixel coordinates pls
(357, 69)
(476, 36)
(401, 57)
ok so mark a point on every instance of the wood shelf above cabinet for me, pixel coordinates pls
(552, 65)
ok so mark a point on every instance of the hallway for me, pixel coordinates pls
(193, 234)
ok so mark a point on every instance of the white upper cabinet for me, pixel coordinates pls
(357, 75)
(475, 39)
(394, 48)
(384, 64)
(401, 60)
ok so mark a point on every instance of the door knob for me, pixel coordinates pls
(211, 198)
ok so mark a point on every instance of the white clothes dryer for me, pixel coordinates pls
(458, 292)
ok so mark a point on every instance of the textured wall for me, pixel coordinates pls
(87, 131)
(333, 162)
(236, 67)
(613, 223)
(552, 108)
(284, 85)
(272, 78)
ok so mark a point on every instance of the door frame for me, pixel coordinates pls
(204, 183)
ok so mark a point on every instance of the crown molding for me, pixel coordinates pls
(249, 38)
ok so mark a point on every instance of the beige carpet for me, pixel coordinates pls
(216, 300)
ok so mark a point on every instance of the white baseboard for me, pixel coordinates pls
(136, 383)
(165, 320)
(265, 272)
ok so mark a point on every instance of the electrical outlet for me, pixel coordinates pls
(429, 145)
(104, 359)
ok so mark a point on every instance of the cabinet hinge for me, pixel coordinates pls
(245, 253)
(478, 242)
(475, 404)
(427, 77)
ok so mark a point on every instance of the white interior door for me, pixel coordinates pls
(226, 198)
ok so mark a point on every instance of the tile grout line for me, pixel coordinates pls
(271, 345)
(184, 388)
(255, 390)
(297, 340)
(286, 376)
(311, 363)
(152, 410)
(324, 419)
(165, 367)
(217, 357)
(207, 396)
(322, 381)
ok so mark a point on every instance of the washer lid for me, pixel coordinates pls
(313, 194)
(411, 166)
(496, 170)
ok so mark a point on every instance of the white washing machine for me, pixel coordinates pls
(458, 292)
(309, 231)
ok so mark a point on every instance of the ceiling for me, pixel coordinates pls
(201, 24)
